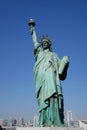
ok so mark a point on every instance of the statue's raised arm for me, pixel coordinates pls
(33, 33)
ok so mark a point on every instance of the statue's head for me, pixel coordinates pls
(46, 42)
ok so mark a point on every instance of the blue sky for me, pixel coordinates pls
(65, 21)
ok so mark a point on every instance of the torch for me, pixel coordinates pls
(31, 24)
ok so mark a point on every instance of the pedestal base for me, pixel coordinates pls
(48, 128)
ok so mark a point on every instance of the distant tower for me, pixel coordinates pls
(69, 117)
(35, 121)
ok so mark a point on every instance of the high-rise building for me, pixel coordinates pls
(1, 122)
(69, 117)
(20, 122)
(12, 121)
(35, 120)
(5, 122)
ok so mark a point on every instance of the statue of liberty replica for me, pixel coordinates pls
(49, 70)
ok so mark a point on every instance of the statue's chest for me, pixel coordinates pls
(44, 55)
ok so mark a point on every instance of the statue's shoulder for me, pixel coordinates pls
(54, 55)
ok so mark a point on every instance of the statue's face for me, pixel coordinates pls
(45, 44)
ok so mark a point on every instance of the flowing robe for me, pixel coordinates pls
(48, 88)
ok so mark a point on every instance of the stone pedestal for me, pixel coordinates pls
(48, 128)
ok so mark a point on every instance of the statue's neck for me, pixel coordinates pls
(46, 50)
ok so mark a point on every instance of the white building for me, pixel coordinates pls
(83, 124)
(35, 120)
(69, 117)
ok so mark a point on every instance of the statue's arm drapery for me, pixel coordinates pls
(37, 47)
(34, 37)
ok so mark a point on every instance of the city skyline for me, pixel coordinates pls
(14, 122)
(65, 22)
